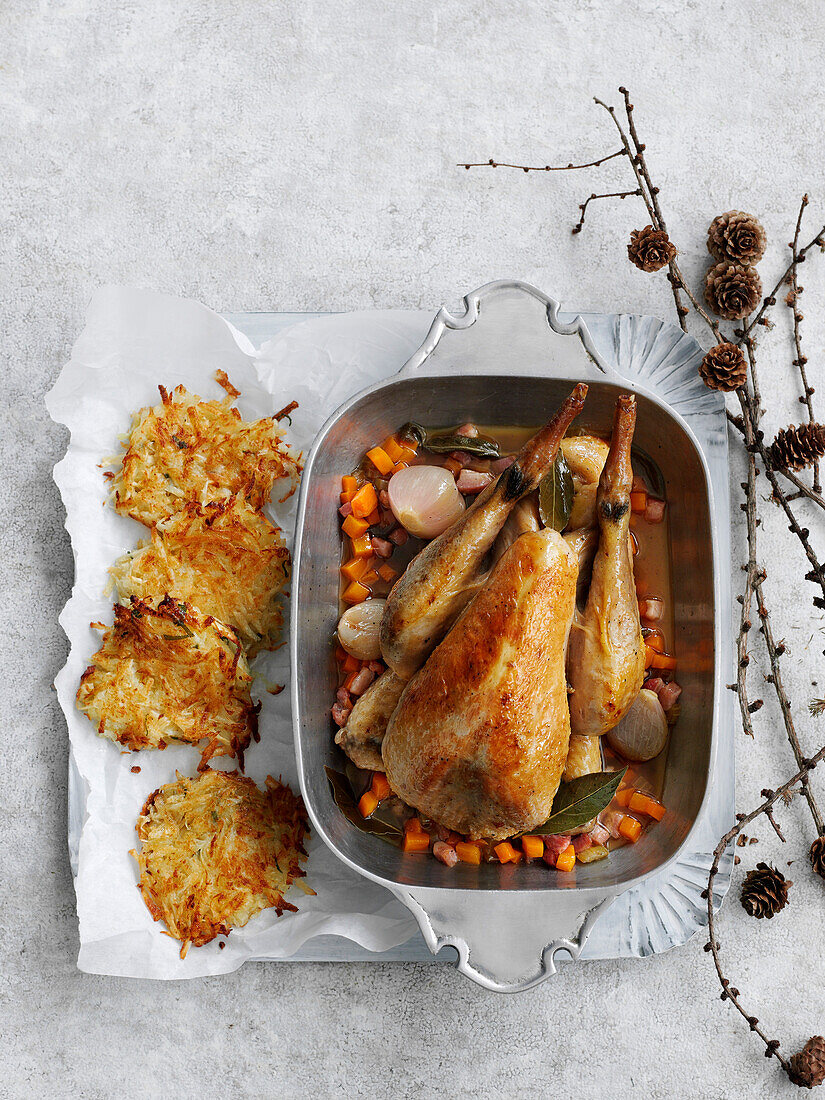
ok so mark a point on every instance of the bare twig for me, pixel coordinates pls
(770, 299)
(803, 490)
(793, 302)
(577, 228)
(542, 167)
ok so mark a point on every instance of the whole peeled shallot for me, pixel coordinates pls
(358, 629)
(425, 500)
(642, 732)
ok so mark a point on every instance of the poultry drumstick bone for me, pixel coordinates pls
(439, 582)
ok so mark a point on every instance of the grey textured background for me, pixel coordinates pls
(301, 155)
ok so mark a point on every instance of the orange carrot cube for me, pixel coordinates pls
(355, 568)
(380, 460)
(416, 842)
(387, 573)
(638, 501)
(374, 518)
(367, 804)
(644, 804)
(355, 593)
(365, 501)
(380, 787)
(664, 661)
(506, 852)
(630, 829)
(624, 796)
(354, 527)
(468, 852)
(532, 846)
(349, 484)
(567, 859)
(392, 448)
(350, 664)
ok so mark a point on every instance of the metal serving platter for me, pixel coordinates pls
(509, 358)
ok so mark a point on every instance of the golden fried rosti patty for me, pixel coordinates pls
(225, 558)
(170, 674)
(216, 850)
(187, 449)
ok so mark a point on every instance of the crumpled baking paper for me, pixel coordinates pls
(134, 340)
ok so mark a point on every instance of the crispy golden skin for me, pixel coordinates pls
(216, 850)
(479, 739)
(187, 449)
(225, 558)
(606, 659)
(170, 674)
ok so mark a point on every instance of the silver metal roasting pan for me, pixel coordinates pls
(508, 360)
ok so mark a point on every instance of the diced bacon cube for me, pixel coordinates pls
(398, 535)
(654, 684)
(499, 465)
(376, 666)
(651, 609)
(655, 510)
(362, 681)
(599, 835)
(468, 429)
(345, 509)
(582, 843)
(340, 714)
(384, 498)
(445, 853)
(472, 481)
(343, 697)
(611, 819)
(382, 547)
(553, 848)
(668, 694)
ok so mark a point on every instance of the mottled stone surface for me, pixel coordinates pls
(300, 155)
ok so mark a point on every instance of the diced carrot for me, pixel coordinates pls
(355, 593)
(506, 852)
(392, 448)
(410, 445)
(532, 846)
(380, 459)
(374, 518)
(468, 852)
(624, 796)
(655, 641)
(370, 577)
(387, 573)
(630, 829)
(453, 466)
(398, 467)
(649, 656)
(354, 526)
(664, 661)
(364, 501)
(351, 664)
(567, 859)
(340, 654)
(362, 547)
(355, 568)
(644, 804)
(347, 496)
(638, 501)
(367, 804)
(351, 677)
(413, 825)
(349, 484)
(380, 787)
(416, 842)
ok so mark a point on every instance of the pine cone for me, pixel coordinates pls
(724, 368)
(733, 290)
(736, 238)
(818, 856)
(650, 249)
(764, 891)
(795, 448)
(807, 1066)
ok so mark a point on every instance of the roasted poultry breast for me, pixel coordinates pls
(503, 636)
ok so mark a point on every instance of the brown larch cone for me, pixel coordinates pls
(796, 448)
(764, 891)
(650, 249)
(818, 856)
(732, 290)
(807, 1066)
(736, 238)
(724, 368)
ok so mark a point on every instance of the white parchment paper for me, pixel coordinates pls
(132, 341)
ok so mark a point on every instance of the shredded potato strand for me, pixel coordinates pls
(216, 850)
(170, 674)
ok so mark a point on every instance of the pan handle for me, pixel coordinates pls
(506, 940)
(508, 326)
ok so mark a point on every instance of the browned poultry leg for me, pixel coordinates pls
(439, 583)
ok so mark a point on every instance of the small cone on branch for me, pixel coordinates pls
(732, 290)
(724, 368)
(796, 448)
(650, 249)
(807, 1066)
(736, 238)
(764, 891)
(818, 856)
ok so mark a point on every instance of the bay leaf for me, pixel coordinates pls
(442, 442)
(556, 495)
(580, 800)
(345, 801)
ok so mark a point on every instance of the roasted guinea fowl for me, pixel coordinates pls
(479, 739)
(439, 583)
(606, 659)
